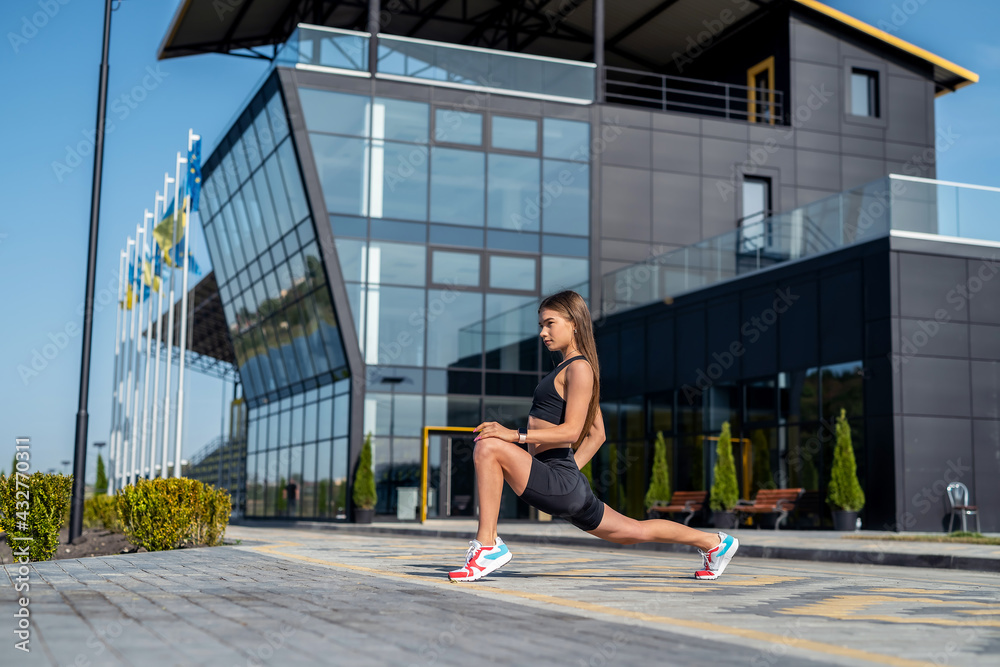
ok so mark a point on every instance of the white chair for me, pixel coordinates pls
(958, 499)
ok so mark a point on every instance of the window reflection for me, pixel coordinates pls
(559, 273)
(458, 127)
(454, 323)
(457, 186)
(339, 113)
(511, 329)
(566, 195)
(519, 134)
(567, 139)
(512, 273)
(342, 166)
(513, 193)
(457, 268)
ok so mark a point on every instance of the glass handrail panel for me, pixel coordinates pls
(485, 68)
(325, 47)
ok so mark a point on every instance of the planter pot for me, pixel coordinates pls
(363, 516)
(724, 520)
(845, 521)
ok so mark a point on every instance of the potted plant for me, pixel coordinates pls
(364, 485)
(844, 493)
(724, 493)
(659, 484)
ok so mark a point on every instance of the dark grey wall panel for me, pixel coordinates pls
(720, 156)
(799, 327)
(936, 387)
(984, 288)
(986, 389)
(813, 44)
(723, 322)
(985, 491)
(690, 345)
(660, 354)
(608, 351)
(818, 170)
(985, 341)
(676, 209)
(759, 338)
(932, 338)
(906, 110)
(630, 147)
(840, 318)
(625, 203)
(677, 152)
(879, 380)
(632, 346)
(929, 466)
(925, 282)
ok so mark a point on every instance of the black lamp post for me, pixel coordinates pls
(80, 451)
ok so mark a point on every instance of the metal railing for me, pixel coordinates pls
(697, 96)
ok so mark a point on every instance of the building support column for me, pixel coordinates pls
(374, 9)
(599, 51)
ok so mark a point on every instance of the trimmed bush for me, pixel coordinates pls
(725, 490)
(659, 483)
(364, 479)
(101, 511)
(101, 484)
(162, 514)
(844, 492)
(34, 506)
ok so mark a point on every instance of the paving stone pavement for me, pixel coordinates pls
(294, 597)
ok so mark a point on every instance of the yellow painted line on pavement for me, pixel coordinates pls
(848, 608)
(756, 581)
(918, 591)
(713, 628)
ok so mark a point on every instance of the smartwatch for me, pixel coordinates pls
(522, 435)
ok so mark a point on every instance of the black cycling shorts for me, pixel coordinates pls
(557, 487)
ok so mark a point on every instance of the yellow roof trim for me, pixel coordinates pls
(969, 76)
(175, 25)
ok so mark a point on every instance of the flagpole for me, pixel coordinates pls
(159, 329)
(120, 417)
(170, 320)
(129, 345)
(114, 380)
(149, 347)
(138, 349)
(192, 137)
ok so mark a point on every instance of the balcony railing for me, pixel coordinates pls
(698, 96)
(893, 203)
(439, 63)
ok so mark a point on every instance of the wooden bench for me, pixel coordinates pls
(771, 501)
(690, 502)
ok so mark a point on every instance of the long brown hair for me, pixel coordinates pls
(571, 305)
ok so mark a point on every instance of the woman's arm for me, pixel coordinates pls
(592, 442)
(579, 388)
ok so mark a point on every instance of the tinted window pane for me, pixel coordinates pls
(457, 186)
(559, 273)
(263, 192)
(457, 331)
(399, 120)
(293, 182)
(401, 171)
(566, 139)
(513, 192)
(397, 263)
(457, 268)
(442, 235)
(340, 113)
(390, 230)
(264, 134)
(276, 114)
(512, 273)
(567, 188)
(519, 134)
(279, 194)
(350, 253)
(511, 332)
(390, 338)
(458, 127)
(345, 226)
(339, 162)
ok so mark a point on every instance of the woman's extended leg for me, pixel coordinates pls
(717, 548)
(497, 460)
(621, 529)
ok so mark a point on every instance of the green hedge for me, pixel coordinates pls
(34, 506)
(164, 514)
(101, 511)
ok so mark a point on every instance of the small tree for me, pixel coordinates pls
(725, 493)
(101, 485)
(659, 483)
(364, 479)
(844, 492)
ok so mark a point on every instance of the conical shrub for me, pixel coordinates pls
(844, 492)
(364, 479)
(659, 484)
(725, 492)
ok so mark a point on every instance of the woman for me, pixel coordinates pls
(565, 430)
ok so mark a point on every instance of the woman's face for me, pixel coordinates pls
(556, 331)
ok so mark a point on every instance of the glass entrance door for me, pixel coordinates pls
(451, 475)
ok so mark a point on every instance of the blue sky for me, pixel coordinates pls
(50, 77)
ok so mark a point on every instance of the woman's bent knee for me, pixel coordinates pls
(486, 449)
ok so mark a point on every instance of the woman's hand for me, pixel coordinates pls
(495, 430)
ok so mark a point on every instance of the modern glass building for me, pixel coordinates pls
(407, 183)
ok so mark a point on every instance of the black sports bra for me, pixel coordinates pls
(547, 404)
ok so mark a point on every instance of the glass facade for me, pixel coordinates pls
(783, 431)
(450, 225)
(281, 321)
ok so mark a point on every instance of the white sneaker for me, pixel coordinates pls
(718, 558)
(480, 561)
